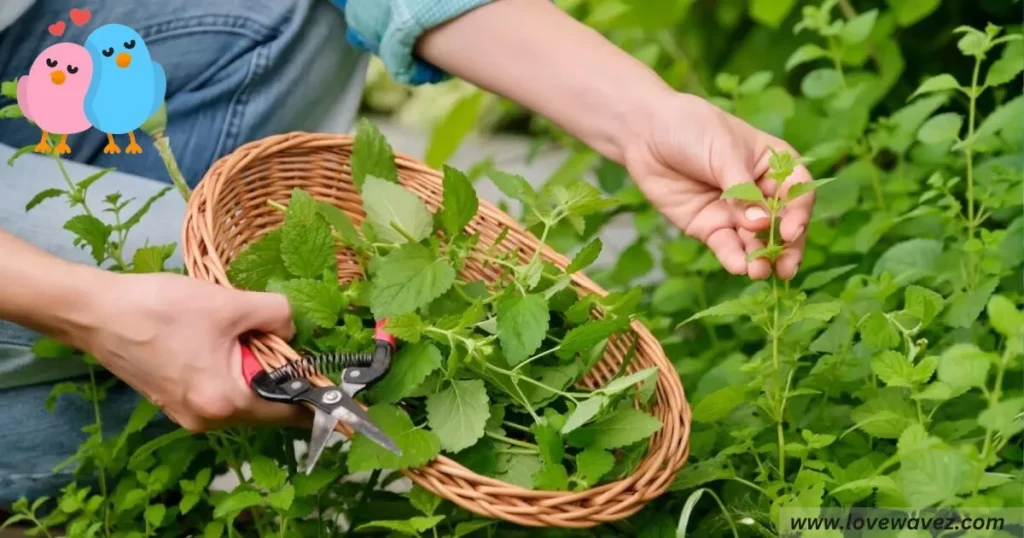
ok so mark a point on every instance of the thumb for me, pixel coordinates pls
(262, 311)
(747, 211)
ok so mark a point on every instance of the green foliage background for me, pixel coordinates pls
(888, 373)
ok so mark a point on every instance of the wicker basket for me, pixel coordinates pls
(228, 210)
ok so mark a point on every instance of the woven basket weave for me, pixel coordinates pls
(229, 209)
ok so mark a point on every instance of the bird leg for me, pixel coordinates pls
(43, 146)
(63, 148)
(111, 146)
(133, 147)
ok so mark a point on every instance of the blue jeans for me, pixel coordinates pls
(237, 70)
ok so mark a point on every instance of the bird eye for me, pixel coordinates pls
(72, 69)
(51, 63)
(108, 52)
(129, 44)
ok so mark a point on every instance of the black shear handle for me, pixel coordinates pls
(365, 375)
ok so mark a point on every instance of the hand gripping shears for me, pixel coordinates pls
(290, 384)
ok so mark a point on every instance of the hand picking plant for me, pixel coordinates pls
(486, 370)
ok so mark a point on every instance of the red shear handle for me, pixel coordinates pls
(382, 334)
(250, 366)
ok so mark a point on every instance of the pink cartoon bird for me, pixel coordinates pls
(53, 93)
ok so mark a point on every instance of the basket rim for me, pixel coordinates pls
(199, 216)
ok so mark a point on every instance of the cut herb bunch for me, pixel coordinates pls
(488, 369)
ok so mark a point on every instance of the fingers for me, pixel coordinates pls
(759, 268)
(797, 213)
(788, 263)
(267, 312)
(729, 250)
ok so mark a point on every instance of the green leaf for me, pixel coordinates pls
(266, 473)
(965, 307)
(755, 83)
(513, 186)
(894, 369)
(821, 278)
(820, 83)
(458, 413)
(154, 515)
(586, 256)
(908, 12)
(315, 301)
(624, 383)
(910, 260)
(259, 263)
(876, 330)
(858, 28)
(371, 155)
(469, 527)
(409, 278)
(622, 428)
(941, 128)
(931, 476)
(938, 83)
(551, 477)
(338, 220)
(800, 189)
(136, 217)
(235, 502)
(585, 337)
(408, 327)
(412, 364)
(453, 128)
(885, 415)
(283, 498)
(42, 196)
(522, 326)
(964, 366)
(1006, 68)
(317, 480)
(51, 349)
(24, 150)
(733, 307)
(770, 13)
(11, 112)
(1004, 316)
(519, 469)
(1004, 418)
(307, 246)
(423, 500)
(418, 446)
(460, 201)
(584, 412)
(9, 88)
(151, 259)
(409, 527)
(389, 204)
(748, 192)
(923, 303)
(592, 464)
(92, 232)
(805, 53)
(821, 311)
(717, 405)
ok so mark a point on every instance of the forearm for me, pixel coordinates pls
(536, 55)
(43, 292)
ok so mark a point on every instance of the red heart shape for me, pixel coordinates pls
(57, 28)
(80, 16)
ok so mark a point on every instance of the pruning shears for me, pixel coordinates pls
(290, 384)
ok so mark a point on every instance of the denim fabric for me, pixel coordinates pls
(390, 28)
(237, 70)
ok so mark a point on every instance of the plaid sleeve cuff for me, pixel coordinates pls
(390, 28)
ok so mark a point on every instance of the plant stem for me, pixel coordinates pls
(99, 434)
(837, 60)
(876, 184)
(163, 147)
(515, 375)
(993, 399)
(969, 151)
(513, 442)
(367, 489)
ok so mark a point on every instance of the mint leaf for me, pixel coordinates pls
(518, 469)
(412, 364)
(151, 259)
(92, 232)
(938, 83)
(719, 404)
(549, 443)
(964, 366)
(235, 502)
(821, 311)
(307, 246)
(821, 278)
(409, 278)
(389, 205)
(965, 307)
(584, 412)
(313, 300)
(551, 477)
(624, 383)
(458, 413)
(858, 28)
(622, 428)
(748, 192)
(283, 498)
(42, 196)
(259, 263)
(932, 476)
(801, 189)
(591, 465)
(418, 446)
(803, 54)
(923, 303)
(460, 201)
(586, 256)
(522, 326)
(341, 224)
(266, 473)
(894, 369)
(423, 500)
(513, 186)
(876, 330)
(941, 128)
(585, 337)
(1004, 316)
(408, 327)
(371, 155)
(9, 88)
(409, 527)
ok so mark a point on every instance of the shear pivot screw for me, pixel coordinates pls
(332, 397)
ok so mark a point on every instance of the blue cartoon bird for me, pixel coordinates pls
(127, 85)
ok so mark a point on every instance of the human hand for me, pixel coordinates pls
(175, 340)
(687, 153)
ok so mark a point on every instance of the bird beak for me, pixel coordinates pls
(57, 77)
(123, 60)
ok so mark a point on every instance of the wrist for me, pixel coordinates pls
(78, 308)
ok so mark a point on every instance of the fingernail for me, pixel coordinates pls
(799, 233)
(755, 213)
